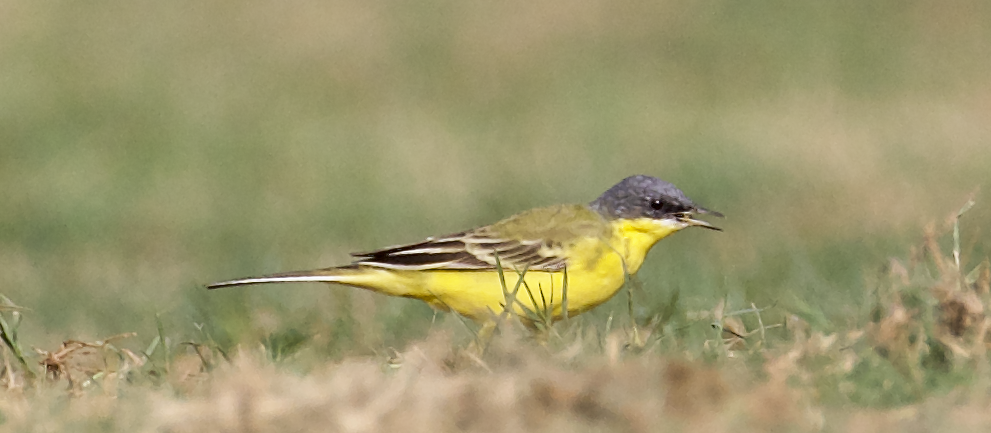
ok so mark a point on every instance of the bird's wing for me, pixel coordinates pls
(472, 250)
(536, 239)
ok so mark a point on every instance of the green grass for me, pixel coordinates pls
(149, 148)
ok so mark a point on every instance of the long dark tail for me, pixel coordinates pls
(387, 281)
(344, 275)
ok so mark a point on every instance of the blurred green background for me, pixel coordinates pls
(148, 148)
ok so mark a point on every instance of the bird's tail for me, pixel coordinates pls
(379, 280)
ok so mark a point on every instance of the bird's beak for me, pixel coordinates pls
(689, 218)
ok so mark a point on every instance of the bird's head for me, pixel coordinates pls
(646, 197)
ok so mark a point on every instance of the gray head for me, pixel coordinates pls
(643, 196)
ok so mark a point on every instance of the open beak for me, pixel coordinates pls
(689, 218)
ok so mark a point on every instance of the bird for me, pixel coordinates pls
(561, 260)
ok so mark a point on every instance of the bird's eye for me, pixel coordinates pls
(656, 204)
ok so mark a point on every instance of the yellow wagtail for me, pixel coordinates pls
(595, 245)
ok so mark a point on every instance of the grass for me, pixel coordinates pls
(150, 148)
(922, 348)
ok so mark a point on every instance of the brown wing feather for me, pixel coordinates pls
(449, 241)
(464, 251)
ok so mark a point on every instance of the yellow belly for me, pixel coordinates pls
(480, 294)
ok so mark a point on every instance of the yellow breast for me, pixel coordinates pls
(635, 237)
